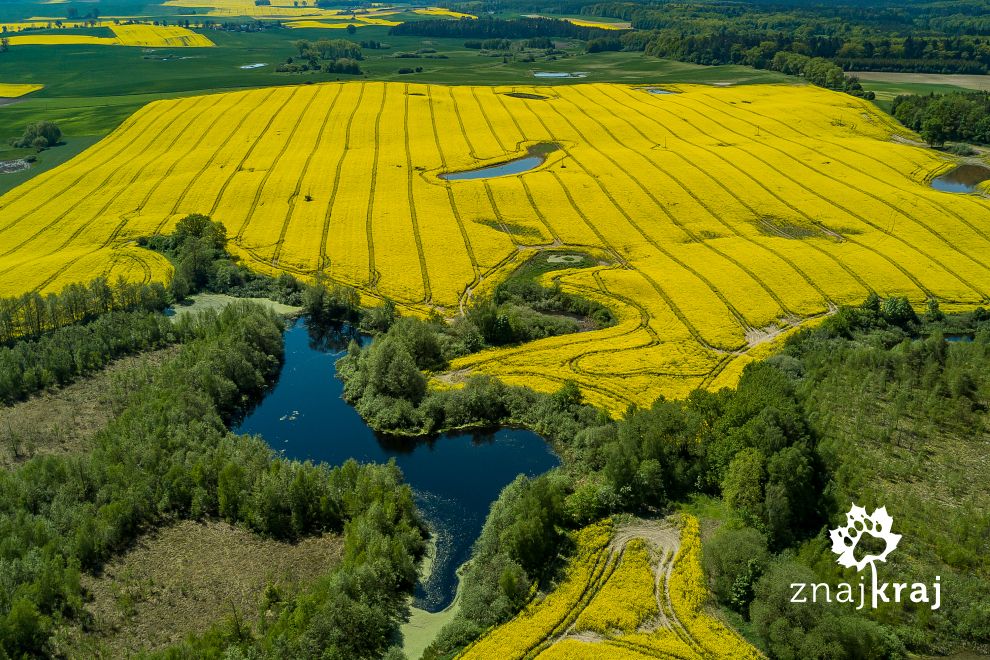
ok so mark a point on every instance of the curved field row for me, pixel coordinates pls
(633, 592)
(717, 224)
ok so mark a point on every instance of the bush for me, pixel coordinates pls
(734, 559)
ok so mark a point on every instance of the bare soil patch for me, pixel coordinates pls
(980, 82)
(182, 579)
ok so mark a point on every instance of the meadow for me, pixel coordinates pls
(718, 225)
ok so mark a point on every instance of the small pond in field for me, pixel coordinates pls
(455, 477)
(535, 156)
(963, 179)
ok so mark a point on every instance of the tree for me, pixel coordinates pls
(733, 560)
(4, 44)
(351, 29)
(934, 132)
(197, 225)
(40, 135)
(742, 486)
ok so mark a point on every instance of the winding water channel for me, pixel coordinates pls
(455, 477)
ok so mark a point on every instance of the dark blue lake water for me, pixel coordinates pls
(456, 477)
(517, 166)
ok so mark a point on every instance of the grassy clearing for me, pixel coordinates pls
(182, 579)
(202, 301)
(63, 421)
(423, 627)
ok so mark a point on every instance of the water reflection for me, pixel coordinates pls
(963, 179)
(455, 477)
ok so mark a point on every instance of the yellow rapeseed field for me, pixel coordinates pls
(126, 34)
(14, 90)
(303, 9)
(718, 218)
(61, 40)
(617, 602)
(440, 11)
(582, 22)
(144, 34)
(601, 25)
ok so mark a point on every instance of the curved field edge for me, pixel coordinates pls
(721, 228)
(631, 590)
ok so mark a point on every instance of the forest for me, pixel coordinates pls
(497, 28)
(923, 37)
(958, 116)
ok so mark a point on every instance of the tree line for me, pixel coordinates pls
(486, 27)
(32, 314)
(855, 37)
(386, 381)
(957, 116)
(71, 352)
(168, 455)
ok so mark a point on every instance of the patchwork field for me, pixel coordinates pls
(715, 218)
(125, 34)
(280, 9)
(637, 591)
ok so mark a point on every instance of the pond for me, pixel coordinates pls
(560, 74)
(535, 156)
(963, 179)
(455, 477)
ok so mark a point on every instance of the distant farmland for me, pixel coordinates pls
(712, 219)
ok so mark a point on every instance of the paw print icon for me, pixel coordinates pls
(859, 525)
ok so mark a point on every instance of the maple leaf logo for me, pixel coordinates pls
(845, 539)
